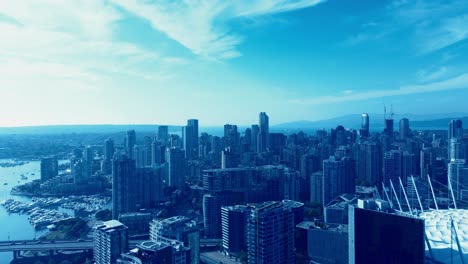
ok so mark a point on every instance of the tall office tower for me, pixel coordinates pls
(110, 240)
(176, 167)
(139, 156)
(233, 222)
(392, 167)
(372, 162)
(409, 165)
(388, 129)
(264, 133)
(229, 159)
(248, 140)
(364, 132)
(310, 163)
(147, 151)
(404, 128)
(150, 186)
(163, 135)
(191, 144)
(212, 204)
(316, 187)
(178, 228)
(440, 171)
(231, 137)
(130, 142)
(292, 184)
(49, 168)
(455, 129)
(381, 237)
(338, 178)
(266, 240)
(88, 161)
(426, 163)
(458, 177)
(157, 153)
(109, 149)
(456, 149)
(254, 138)
(123, 186)
(339, 136)
(455, 139)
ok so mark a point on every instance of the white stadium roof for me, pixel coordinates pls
(442, 237)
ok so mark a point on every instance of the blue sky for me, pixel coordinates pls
(165, 61)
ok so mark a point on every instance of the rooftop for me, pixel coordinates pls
(110, 225)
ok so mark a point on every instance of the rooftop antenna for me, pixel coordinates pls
(384, 112)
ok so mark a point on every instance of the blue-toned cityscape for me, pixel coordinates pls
(171, 194)
(233, 131)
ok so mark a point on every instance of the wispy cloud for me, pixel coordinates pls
(202, 26)
(429, 25)
(70, 41)
(459, 82)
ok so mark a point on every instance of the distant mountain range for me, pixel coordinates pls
(438, 121)
(376, 122)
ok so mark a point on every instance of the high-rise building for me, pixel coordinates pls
(123, 186)
(110, 240)
(264, 133)
(212, 204)
(231, 137)
(234, 220)
(381, 237)
(176, 167)
(157, 153)
(109, 149)
(426, 163)
(364, 132)
(338, 178)
(369, 162)
(191, 142)
(178, 228)
(409, 165)
(229, 159)
(393, 167)
(247, 140)
(49, 168)
(456, 148)
(458, 177)
(149, 188)
(130, 142)
(316, 188)
(309, 164)
(455, 139)
(254, 138)
(455, 129)
(404, 128)
(163, 135)
(139, 156)
(267, 227)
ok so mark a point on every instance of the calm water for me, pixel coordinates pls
(15, 226)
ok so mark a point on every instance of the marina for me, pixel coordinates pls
(44, 211)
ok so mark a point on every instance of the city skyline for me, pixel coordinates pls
(140, 62)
